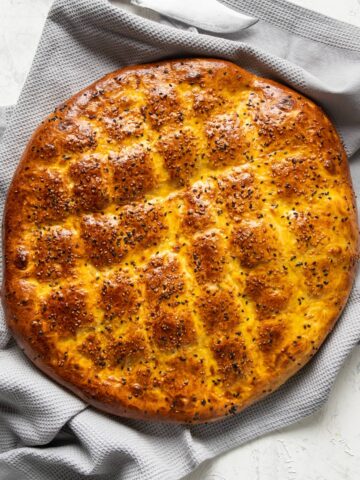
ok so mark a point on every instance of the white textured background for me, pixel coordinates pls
(325, 446)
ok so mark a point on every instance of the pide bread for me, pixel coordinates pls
(179, 239)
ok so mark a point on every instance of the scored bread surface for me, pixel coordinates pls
(180, 238)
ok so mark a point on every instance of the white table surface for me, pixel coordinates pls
(324, 446)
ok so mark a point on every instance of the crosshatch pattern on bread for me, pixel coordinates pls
(180, 238)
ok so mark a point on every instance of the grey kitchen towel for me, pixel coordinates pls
(5, 115)
(45, 431)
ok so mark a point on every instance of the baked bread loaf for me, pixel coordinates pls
(180, 238)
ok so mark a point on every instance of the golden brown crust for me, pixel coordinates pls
(180, 238)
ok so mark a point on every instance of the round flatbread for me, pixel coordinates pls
(180, 238)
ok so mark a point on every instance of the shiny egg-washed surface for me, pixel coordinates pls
(179, 240)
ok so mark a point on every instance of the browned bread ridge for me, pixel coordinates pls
(180, 238)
